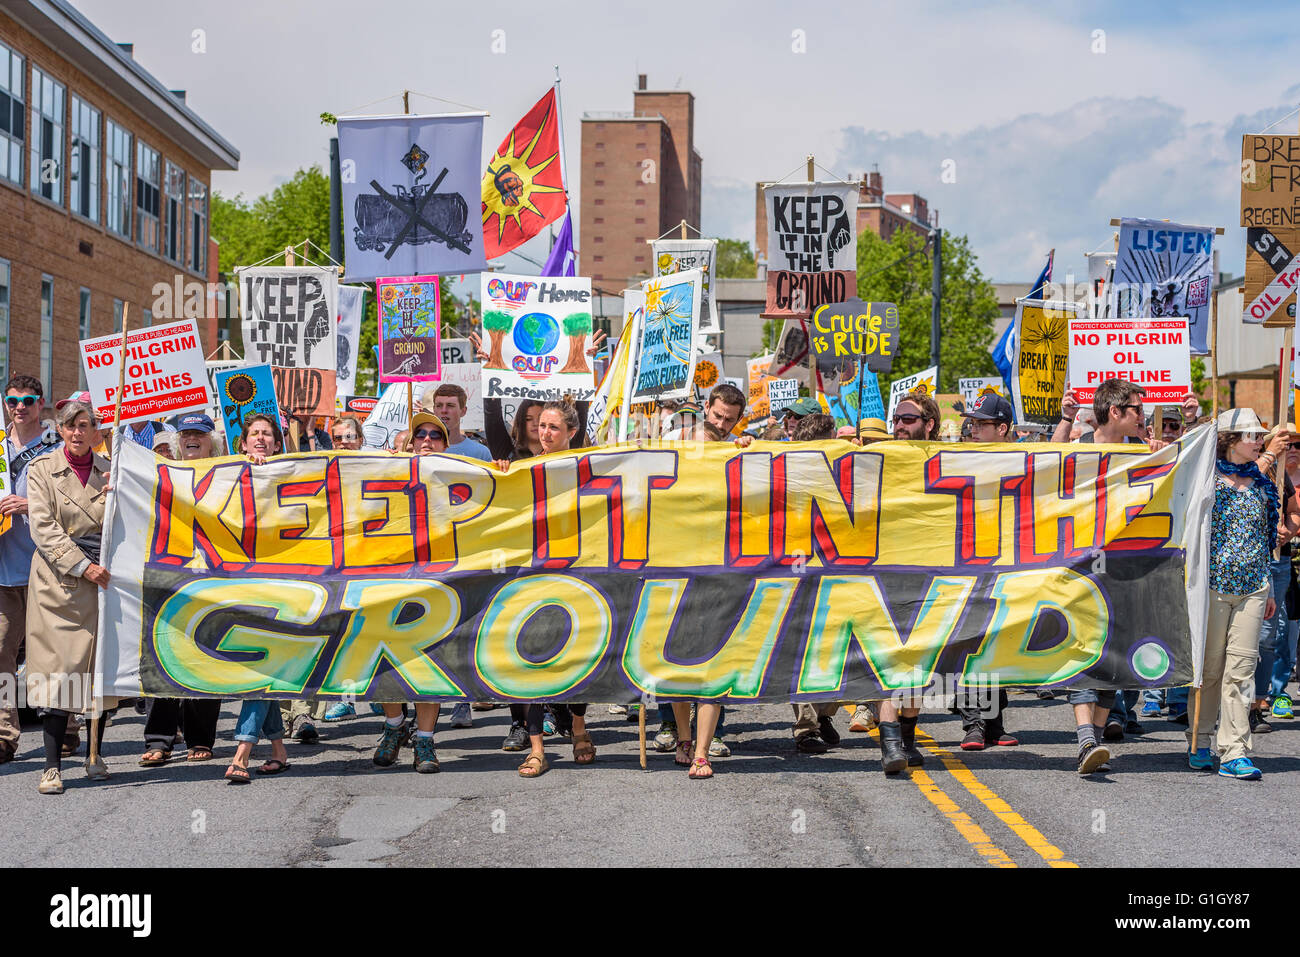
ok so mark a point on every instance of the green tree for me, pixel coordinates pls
(900, 271)
(735, 260)
(496, 323)
(577, 327)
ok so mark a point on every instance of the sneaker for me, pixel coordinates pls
(618, 709)
(1045, 694)
(666, 739)
(1240, 768)
(1201, 759)
(306, 732)
(810, 742)
(548, 724)
(1150, 709)
(1114, 730)
(828, 732)
(1179, 718)
(517, 739)
(1001, 739)
(1093, 757)
(1132, 727)
(96, 770)
(718, 749)
(484, 706)
(1257, 723)
(341, 710)
(376, 708)
(51, 782)
(863, 720)
(633, 712)
(426, 759)
(390, 744)
(1282, 707)
(974, 740)
(460, 716)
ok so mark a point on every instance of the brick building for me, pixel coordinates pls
(104, 187)
(879, 212)
(640, 179)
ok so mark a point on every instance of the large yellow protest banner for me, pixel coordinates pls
(778, 572)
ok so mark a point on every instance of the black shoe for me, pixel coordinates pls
(1257, 723)
(1045, 694)
(810, 742)
(908, 736)
(892, 757)
(1114, 730)
(828, 732)
(1180, 718)
(517, 739)
(1132, 727)
(1093, 757)
(306, 732)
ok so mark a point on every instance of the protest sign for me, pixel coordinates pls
(972, 389)
(165, 373)
(6, 483)
(457, 351)
(391, 577)
(537, 330)
(666, 364)
(781, 394)
(410, 324)
(412, 204)
(792, 348)
(1152, 353)
(1042, 359)
(708, 373)
(213, 367)
(672, 256)
(1165, 270)
(851, 400)
(352, 307)
(1270, 181)
(243, 391)
(1272, 276)
(469, 376)
(291, 324)
(758, 377)
(359, 405)
(812, 246)
(843, 332)
(389, 416)
(923, 381)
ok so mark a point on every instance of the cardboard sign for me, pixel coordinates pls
(1152, 353)
(756, 371)
(290, 323)
(972, 389)
(1270, 181)
(244, 390)
(1272, 270)
(843, 332)
(923, 381)
(165, 373)
(781, 394)
(1042, 359)
(469, 376)
(708, 373)
(410, 323)
(666, 365)
(812, 246)
(536, 331)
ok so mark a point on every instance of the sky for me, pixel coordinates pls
(1049, 120)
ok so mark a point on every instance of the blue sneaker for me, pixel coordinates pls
(1150, 709)
(1200, 760)
(337, 712)
(1282, 706)
(1240, 768)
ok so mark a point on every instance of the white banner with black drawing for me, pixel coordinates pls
(290, 319)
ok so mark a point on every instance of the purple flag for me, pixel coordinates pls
(560, 261)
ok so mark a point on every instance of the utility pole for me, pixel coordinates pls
(936, 300)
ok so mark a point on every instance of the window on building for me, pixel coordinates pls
(4, 321)
(640, 127)
(597, 239)
(117, 315)
(639, 202)
(600, 164)
(640, 146)
(600, 146)
(47, 334)
(599, 259)
(598, 220)
(600, 182)
(84, 329)
(46, 174)
(640, 239)
(639, 221)
(174, 214)
(117, 163)
(198, 226)
(12, 116)
(148, 197)
(83, 168)
(598, 202)
(147, 317)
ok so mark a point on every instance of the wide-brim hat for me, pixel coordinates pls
(1244, 421)
(425, 418)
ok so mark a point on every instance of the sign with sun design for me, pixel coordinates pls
(666, 366)
(1042, 359)
(243, 391)
(523, 187)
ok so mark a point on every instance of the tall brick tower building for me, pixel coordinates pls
(640, 178)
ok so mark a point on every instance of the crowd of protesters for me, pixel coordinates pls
(51, 581)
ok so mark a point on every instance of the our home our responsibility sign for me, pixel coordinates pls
(1152, 353)
(165, 372)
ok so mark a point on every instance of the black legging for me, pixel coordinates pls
(54, 723)
(530, 715)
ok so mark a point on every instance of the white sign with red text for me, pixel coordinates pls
(165, 372)
(1152, 353)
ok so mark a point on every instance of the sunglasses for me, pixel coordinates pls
(27, 400)
(907, 419)
(1135, 408)
(346, 437)
(430, 434)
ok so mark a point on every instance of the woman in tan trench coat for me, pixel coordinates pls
(66, 495)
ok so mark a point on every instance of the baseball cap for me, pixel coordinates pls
(83, 397)
(991, 407)
(194, 422)
(802, 407)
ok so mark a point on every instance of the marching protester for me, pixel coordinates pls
(66, 493)
(1284, 642)
(25, 442)
(346, 433)
(1273, 634)
(260, 440)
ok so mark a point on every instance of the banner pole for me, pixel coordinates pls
(410, 412)
(640, 724)
(857, 416)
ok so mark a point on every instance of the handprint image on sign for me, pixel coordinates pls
(536, 330)
(409, 323)
(812, 246)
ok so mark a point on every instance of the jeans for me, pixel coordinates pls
(1273, 632)
(1123, 708)
(1177, 700)
(259, 719)
(1284, 660)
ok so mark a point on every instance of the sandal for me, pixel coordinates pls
(584, 752)
(237, 775)
(684, 750)
(199, 753)
(701, 770)
(274, 766)
(534, 766)
(154, 757)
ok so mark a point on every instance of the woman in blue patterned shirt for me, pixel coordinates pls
(1243, 530)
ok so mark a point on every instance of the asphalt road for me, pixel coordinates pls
(767, 804)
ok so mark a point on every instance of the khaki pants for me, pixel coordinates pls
(1228, 676)
(13, 627)
(806, 714)
(291, 711)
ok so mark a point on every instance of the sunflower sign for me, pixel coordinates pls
(244, 390)
(410, 318)
(923, 381)
(536, 330)
(708, 373)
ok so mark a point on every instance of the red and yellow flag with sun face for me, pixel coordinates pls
(523, 188)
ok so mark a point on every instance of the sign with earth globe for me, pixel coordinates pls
(535, 331)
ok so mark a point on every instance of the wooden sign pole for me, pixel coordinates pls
(294, 433)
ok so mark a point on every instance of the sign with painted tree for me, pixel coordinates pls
(536, 330)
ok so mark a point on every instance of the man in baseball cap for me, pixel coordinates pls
(796, 411)
(991, 418)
